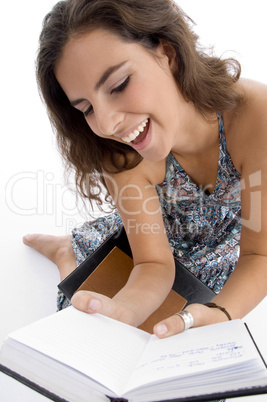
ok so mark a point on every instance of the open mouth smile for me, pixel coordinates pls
(133, 137)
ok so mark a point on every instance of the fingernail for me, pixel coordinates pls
(161, 329)
(94, 305)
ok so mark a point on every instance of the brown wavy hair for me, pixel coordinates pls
(206, 80)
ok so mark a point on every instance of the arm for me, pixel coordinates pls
(247, 285)
(153, 273)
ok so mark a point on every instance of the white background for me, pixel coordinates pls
(33, 195)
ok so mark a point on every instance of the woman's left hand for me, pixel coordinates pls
(201, 314)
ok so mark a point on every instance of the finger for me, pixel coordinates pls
(171, 326)
(91, 302)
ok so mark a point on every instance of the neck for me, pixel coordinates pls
(197, 134)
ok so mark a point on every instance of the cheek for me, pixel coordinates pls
(92, 123)
(141, 98)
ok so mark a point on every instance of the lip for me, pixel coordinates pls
(146, 140)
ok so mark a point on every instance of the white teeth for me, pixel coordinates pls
(132, 136)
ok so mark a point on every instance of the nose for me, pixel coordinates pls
(108, 119)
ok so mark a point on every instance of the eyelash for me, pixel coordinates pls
(121, 88)
(88, 111)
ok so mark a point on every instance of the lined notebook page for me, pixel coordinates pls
(195, 350)
(104, 349)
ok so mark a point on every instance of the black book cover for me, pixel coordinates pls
(185, 284)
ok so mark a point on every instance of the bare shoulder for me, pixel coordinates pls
(149, 172)
(246, 130)
(154, 172)
(256, 96)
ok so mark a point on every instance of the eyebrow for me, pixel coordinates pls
(104, 77)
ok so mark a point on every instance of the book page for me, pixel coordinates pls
(193, 352)
(104, 349)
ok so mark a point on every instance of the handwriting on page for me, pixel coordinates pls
(211, 348)
(197, 357)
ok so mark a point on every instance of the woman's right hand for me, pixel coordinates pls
(91, 302)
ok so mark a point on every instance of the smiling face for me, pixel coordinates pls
(126, 92)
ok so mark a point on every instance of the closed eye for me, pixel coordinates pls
(88, 111)
(122, 86)
(118, 89)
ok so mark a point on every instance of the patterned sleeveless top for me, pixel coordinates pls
(203, 229)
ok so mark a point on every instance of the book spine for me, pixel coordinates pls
(30, 384)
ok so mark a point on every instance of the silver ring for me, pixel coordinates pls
(187, 319)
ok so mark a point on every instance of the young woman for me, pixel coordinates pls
(174, 139)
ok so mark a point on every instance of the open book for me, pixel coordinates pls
(81, 357)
